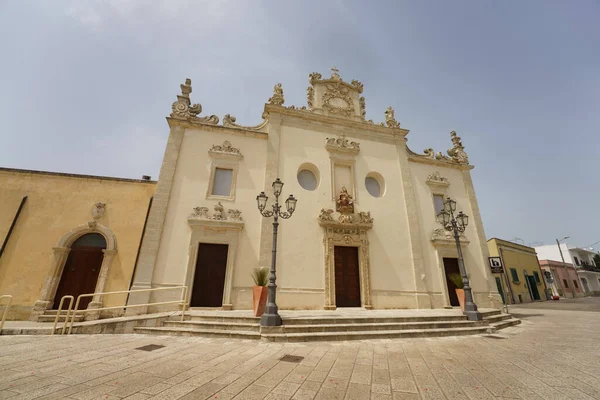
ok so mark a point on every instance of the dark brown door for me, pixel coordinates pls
(347, 280)
(80, 273)
(209, 279)
(451, 267)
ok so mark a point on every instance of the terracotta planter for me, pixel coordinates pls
(460, 293)
(259, 299)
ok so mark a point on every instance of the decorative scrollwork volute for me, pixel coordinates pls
(183, 110)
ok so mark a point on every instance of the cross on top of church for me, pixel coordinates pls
(334, 73)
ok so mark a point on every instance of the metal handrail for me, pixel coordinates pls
(10, 299)
(182, 302)
(72, 299)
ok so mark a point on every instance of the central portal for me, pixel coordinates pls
(209, 279)
(347, 278)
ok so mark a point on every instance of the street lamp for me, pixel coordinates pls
(564, 265)
(271, 316)
(458, 224)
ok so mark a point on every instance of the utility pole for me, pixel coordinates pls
(566, 268)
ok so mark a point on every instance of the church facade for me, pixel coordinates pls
(364, 231)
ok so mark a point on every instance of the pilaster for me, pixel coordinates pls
(482, 242)
(271, 173)
(156, 220)
(415, 231)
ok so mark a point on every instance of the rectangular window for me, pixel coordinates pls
(576, 260)
(565, 283)
(514, 274)
(576, 285)
(222, 182)
(438, 203)
(537, 277)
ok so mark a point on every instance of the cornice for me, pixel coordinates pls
(440, 163)
(216, 128)
(359, 128)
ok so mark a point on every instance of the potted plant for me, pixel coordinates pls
(259, 290)
(460, 293)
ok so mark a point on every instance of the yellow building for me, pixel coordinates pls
(521, 269)
(68, 234)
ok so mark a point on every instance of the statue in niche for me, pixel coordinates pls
(345, 203)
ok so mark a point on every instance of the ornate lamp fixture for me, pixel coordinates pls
(458, 225)
(271, 316)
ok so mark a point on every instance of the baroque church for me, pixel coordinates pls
(364, 232)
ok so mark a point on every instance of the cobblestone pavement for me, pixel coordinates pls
(553, 354)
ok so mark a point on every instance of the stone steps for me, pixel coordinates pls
(223, 326)
(179, 331)
(365, 335)
(300, 328)
(505, 323)
(497, 318)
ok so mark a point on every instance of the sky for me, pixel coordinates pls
(85, 87)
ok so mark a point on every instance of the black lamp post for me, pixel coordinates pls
(458, 224)
(271, 316)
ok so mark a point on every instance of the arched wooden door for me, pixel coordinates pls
(81, 269)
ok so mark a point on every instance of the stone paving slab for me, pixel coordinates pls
(553, 354)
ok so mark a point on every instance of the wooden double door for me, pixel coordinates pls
(347, 277)
(81, 270)
(209, 278)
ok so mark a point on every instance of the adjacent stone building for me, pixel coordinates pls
(522, 280)
(364, 233)
(68, 234)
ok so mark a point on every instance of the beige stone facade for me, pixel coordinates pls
(55, 211)
(392, 223)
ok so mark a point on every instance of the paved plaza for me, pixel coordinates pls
(553, 354)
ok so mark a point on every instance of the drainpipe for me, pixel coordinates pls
(12, 225)
(566, 270)
(504, 267)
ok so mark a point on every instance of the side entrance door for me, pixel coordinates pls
(451, 267)
(209, 278)
(347, 279)
(533, 287)
(500, 290)
(81, 270)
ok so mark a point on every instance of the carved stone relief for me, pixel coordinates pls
(457, 152)
(436, 180)
(98, 210)
(336, 100)
(310, 97)
(219, 214)
(229, 121)
(443, 237)
(225, 150)
(390, 120)
(342, 145)
(363, 109)
(183, 110)
(277, 99)
(456, 155)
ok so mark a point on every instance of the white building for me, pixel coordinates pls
(364, 233)
(583, 261)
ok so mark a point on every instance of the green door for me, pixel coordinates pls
(500, 290)
(533, 285)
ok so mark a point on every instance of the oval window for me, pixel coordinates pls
(374, 184)
(307, 179)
